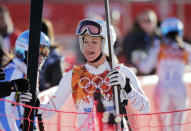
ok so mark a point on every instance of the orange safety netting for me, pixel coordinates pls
(65, 119)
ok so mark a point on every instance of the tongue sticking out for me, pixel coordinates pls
(89, 53)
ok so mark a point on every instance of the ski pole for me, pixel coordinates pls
(112, 65)
(33, 54)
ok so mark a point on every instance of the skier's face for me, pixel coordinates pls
(148, 22)
(43, 53)
(91, 47)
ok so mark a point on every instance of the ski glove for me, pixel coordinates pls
(21, 85)
(2, 74)
(116, 78)
(27, 97)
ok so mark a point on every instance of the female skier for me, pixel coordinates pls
(82, 81)
(170, 57)
(15, 69)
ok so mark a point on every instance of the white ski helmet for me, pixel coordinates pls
(102, 32)
(22, 42)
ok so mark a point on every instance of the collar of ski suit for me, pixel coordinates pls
(98, 70)
(21, 65)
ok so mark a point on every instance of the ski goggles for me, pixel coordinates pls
(44, 51)
(88, 25)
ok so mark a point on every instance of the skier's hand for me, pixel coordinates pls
(25, 97)
(21, 85)
(116, 78)
(2, 74)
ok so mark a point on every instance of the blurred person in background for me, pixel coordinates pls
(51, 72)
(16, 68)
(8, 33)
(138, 41)
(169, 57)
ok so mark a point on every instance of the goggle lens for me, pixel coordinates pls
(93, 28)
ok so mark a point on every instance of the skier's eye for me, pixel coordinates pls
(85, 42)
